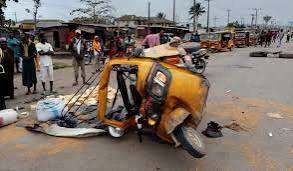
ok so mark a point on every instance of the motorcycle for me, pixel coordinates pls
(196, 62)
(191, 57)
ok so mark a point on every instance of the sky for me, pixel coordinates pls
(281, 10)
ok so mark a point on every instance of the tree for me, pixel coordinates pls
(95, 10)
(90, 20)
(236, 24)
(161, 15)
(35, 11)
(267, 18)
(2, 17)
(195, 12)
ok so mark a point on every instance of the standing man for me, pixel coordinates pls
(14, 44)
(281, 37)
(163, 38)
(151, 40)
(29, 54)
(288, 36)
(45, 51)
(7, 63)
(78, 51)
(2, 82)
(97, 48)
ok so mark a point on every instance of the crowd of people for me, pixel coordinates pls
(28, 55)
(267, 37)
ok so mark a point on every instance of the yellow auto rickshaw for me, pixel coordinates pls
(242, 39)
(204, 41)
(154, 96)
(218, 41)
(252, 39)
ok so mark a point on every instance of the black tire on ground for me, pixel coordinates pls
(258, 54)
(286, 55)
(190, 140)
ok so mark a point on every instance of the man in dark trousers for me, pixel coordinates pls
(8, 65)
(78, 51)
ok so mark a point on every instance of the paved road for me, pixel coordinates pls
(243, 89)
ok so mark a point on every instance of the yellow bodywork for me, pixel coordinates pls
(186, 96)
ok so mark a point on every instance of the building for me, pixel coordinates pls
(135, 21)
(54, 30)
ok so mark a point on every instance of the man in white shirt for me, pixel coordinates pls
(45, 51)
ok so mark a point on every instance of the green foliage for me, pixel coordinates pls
(3, 22)
(35, 10)
(161, 15)
(96, 11)
(236, 24)
(267, 18)
(196, 10)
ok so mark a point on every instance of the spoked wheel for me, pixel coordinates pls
(200, 67)
(190, 141)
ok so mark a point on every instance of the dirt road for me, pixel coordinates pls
(243, 89)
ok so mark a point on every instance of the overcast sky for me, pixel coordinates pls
(60, 9)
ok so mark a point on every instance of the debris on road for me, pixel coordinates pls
(272, 54)
(55, 130)
(49, 109)
(235, 127)
(275, 115)
(265, 54)
(213, 130)
(87, 98)
(8, 116)
(228, 91)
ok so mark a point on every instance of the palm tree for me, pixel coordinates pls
(267, 18)
(161, 15)
(196, 11)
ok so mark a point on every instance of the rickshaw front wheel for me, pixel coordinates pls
(115, 132)
(190, 140)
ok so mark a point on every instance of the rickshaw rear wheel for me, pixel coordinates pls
(190, 140)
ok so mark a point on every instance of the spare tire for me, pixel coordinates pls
(190, 140)
(286, 55)
(258, 54)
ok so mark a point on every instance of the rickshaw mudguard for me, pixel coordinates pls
(176, 118)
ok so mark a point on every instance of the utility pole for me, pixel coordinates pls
(228, 16)
(242, 21)
(208, 17)
(252, 19)
(15, 17)
(194, 20)
(174, 11)
(256, 14)
(149, 10)
(149, 16)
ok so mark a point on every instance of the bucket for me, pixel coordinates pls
(7, 117)
(50, 109)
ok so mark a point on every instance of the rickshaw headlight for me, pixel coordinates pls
(159, 84)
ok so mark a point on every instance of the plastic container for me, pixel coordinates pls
(7, 117)
(50, 109)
